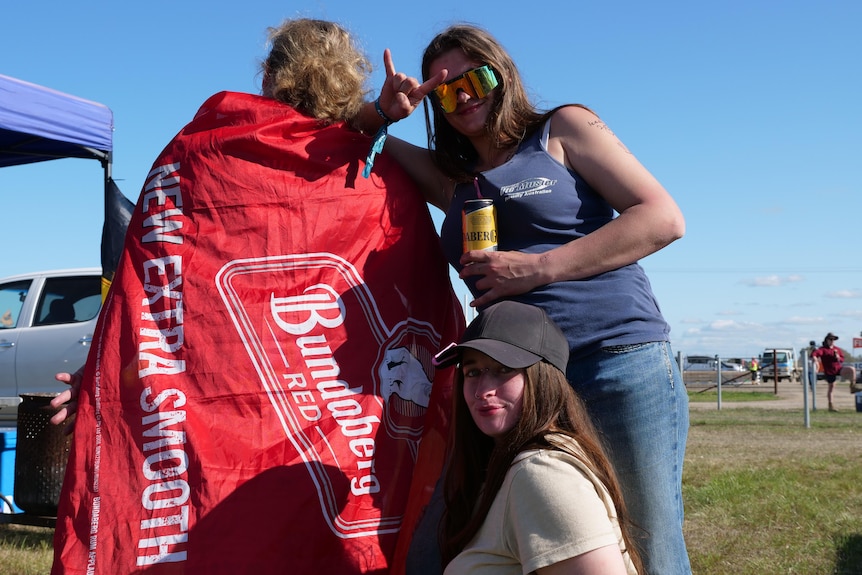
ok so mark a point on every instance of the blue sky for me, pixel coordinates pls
(746, 110)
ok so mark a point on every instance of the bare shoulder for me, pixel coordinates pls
(574, 119)
(580, 122)
(577, 131)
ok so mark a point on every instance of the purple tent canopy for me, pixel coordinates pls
(38, 124)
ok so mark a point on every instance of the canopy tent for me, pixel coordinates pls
(39, 124)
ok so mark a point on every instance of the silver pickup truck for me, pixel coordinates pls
(47, 320)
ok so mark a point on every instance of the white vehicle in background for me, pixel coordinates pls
(780, 359)
(707, 363)
(47, 320)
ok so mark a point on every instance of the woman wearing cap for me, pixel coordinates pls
(528, 487)
(832, 359)
(575, 211)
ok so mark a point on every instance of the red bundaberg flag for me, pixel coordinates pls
(259, 397)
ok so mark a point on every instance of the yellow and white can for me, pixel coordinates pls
(479, 225)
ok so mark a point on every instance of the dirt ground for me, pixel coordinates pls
(789, 395)
(721, 445)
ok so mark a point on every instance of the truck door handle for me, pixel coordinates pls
(86, 339)
(7, 344)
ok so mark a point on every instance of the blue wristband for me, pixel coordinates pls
(376, 148)
(381, 113)
(378, 140)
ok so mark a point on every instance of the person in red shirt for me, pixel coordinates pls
(832, 359)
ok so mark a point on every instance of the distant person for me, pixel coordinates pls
(528, 488)
(6, 320)
(754, 366)
(832, 359)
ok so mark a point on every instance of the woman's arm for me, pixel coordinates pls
(602, 561)
(436, 188)
(558, 510)
(649, 218)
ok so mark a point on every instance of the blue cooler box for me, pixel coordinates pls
(8, 439)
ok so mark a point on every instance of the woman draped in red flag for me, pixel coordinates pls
(260, 395)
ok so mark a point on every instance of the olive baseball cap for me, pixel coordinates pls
(514, 334)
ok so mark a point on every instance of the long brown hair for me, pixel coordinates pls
(478, 464)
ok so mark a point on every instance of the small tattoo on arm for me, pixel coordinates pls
(604, 127)
(601, 126)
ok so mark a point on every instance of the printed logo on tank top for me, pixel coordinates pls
(528, 187)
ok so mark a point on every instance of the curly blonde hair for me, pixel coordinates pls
(315, 67)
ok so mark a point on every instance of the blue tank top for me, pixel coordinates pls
(540, 205)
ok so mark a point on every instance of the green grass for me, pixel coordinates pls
(711, 396)
(764, 495)
(25, 550)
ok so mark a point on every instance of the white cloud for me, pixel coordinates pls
(732, 326)
(845, 294)
(768, 281)
(773, 280)
(796, 320)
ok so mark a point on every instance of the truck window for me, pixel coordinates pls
(68, 300)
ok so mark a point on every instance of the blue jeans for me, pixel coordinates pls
(638, 400)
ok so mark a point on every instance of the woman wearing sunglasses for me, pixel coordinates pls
(575, 212)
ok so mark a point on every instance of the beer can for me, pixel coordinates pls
(479, 225)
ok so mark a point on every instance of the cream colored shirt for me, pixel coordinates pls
(551, 507)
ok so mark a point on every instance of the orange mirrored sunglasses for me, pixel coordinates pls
(476, 82)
